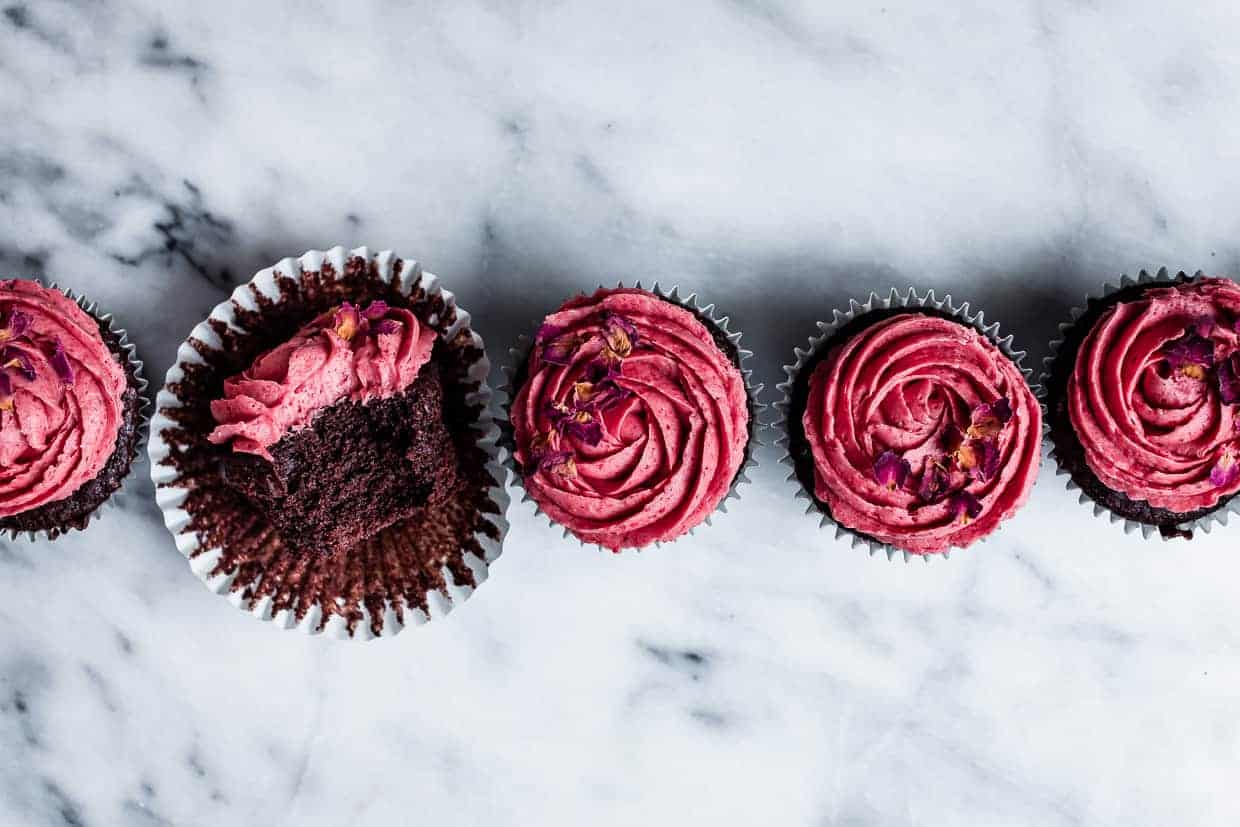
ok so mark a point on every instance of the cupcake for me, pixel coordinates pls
(910, 425)
(322, 449)
(70, 409)
(1143, 401)
(630, 416)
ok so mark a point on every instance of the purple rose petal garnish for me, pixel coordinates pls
(386, 326)
(1229, 379)
(561, 349)
(547, 332)
(376, 310)
(965, 507)
(891, 470)
(6, 392)
(16, 325)
(933, 483)
(609, 396)
(584, 427)
(347, 321)
(560, 463)
(1191, 354)
(953, 438)
(979, 457)
(1227, 471)
(11, 357)
(988, 419)
(60, 363)
(620, 335)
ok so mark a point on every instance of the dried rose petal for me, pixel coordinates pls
(891, 470)
(965, 507)
(15, 326)
(980, 457)
(11, 357)
(953, 438)
(376, 310)
(1229, 379)
(387, 326)
(561, 349)
(584, 427)
(1227, 471)
(933, 483)
(347, 321)
(60, 363)
(541, 444)
(6, 392)
(988, 419)
(560, 463)
(609, 396)
(547, 332)
(620, 335)
(1191, 354)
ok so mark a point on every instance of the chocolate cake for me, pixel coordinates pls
(357, 469)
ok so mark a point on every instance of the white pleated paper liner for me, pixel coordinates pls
(1162, 278)
(134, 368)
(708, 313)
(911, 300)
(453, 325)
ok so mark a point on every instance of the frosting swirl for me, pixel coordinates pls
(923, 434)
(631, 423)
(346, 354)
(1148, 396)
(60, 397)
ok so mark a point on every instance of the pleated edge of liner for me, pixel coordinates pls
(122, 494)
(516, 359)
(170, 498)
(911, 299)
(1205, 523)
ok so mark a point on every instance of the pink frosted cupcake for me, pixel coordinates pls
(911, 427)
(631, 419)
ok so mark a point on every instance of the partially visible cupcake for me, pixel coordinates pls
(630, 417)
(322, 448)
(70, 409)
(1143, 400)
(911, 426)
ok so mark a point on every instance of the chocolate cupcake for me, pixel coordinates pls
(910, 426)
(322, 450)
(71, 409)
(631, 418)
(1143, 402)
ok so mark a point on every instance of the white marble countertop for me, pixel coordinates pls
(780, 158)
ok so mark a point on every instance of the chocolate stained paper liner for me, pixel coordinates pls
(911, 300)
(170, 497)
(130, 354)
(518, 355)
(1162, 278)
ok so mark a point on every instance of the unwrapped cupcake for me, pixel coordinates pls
(71, 409)
(1143, 395)
(323, 451)
(631, 419)
(910, 425)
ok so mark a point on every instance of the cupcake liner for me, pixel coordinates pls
(910, 299)
(1204, 523)
(516, 360)
(171, 496)
(130, 354)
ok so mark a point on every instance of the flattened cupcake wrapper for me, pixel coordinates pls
(171, 497)
(1205, 523)
(130, 354)
(516, 359)
(912, 300)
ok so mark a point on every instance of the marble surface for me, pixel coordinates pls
(780, 157)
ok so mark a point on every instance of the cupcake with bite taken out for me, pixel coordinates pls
(1143, 400)
(910, 425)
(70, 409)
(630, 417)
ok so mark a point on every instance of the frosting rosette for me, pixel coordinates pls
(350, 353)
(60, 397)
(922, 433)
(630, 421)
(1154, 396)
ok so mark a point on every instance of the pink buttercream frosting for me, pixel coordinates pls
(667, 445)
(1150, 431)
(58, 429)
(324, 363)
(896, 389)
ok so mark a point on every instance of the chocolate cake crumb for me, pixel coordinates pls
(1068, 447)
(399, 565)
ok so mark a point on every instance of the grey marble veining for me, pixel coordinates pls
(777, 156)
